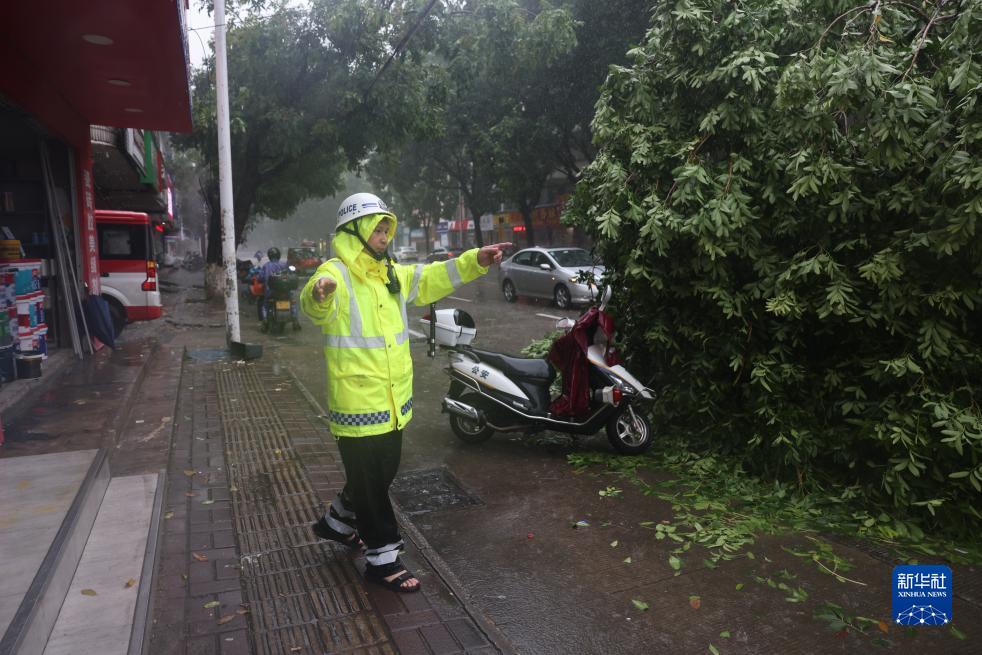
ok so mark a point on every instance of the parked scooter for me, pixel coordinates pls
(490, 391)
(281, 305)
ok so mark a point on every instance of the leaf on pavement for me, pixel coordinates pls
(725, 634)
(210, 604)
(168, 515)
(581, 524)
(199, 557)
(226, 619)
(207, 502)
(958, 633)
(189, 472)
(640, 604)
(129, 583)
(613, 544)
(713, 650)
(739, 586)
(675, 562)
(88, 592)
(695, 602)
(627, 560)
(883, 626)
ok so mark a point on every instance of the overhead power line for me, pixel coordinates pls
(402, 44)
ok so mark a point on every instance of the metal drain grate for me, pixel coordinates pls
(301, 593)
(430, 490)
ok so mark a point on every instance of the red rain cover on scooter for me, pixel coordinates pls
(569, 355)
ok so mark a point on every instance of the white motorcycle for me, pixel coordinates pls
(491, 391)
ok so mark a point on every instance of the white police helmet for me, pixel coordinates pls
(360, 204)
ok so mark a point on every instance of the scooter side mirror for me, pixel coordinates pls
(565, 324)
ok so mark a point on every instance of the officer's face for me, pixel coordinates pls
(380, 237)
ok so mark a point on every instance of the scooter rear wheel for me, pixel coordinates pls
(469, 430)
(629, 432)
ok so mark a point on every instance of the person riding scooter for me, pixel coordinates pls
(270, 269)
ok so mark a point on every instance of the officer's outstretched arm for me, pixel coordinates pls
(430, 282)
(319, 296)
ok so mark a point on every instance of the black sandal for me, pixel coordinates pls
(378, 575)
(324, 531)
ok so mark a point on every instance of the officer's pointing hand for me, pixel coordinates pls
(323, 288)
(492, 254)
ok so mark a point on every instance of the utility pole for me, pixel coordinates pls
(225, 179)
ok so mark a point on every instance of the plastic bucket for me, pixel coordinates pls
(8, 372)
(29, 366)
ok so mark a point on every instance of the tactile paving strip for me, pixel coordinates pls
(301, 593)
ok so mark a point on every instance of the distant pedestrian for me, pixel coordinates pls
(359, 299)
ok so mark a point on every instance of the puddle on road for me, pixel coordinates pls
(208, 355)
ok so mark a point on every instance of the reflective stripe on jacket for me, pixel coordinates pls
(366, 336)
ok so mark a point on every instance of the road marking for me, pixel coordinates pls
(418, 335)
(460, 299)
(555, 318)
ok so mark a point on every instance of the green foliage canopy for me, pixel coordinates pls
(306, 99)
(787, 194)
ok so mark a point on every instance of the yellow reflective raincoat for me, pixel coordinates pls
(366, 331)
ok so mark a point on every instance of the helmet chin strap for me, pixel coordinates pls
(393, 282)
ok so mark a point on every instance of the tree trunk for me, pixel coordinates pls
(526, 210)
(478, 237)
(214, 235)
(425, 224)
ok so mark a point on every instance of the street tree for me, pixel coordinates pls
(307, 101)
(524, 134)
(484, 48)
(787, 195)
(569, 86)
(420, 192)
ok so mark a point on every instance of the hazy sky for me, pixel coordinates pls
(199, 39)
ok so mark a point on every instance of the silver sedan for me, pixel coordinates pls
(567, 276)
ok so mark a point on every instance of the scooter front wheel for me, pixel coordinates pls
(469, 430)
(629, 432)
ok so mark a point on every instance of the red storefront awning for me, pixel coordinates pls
(101, 62)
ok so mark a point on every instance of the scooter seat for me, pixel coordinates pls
(521, 367)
